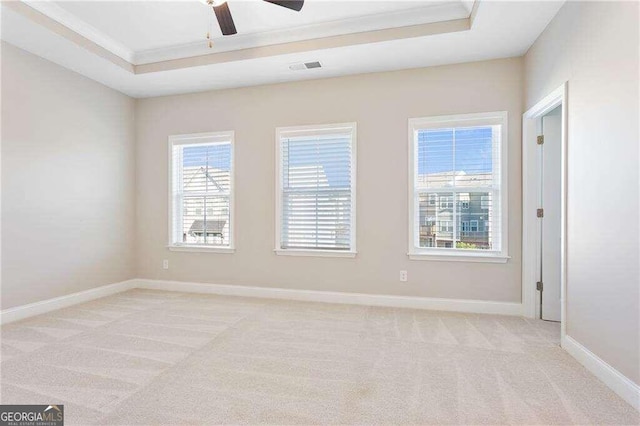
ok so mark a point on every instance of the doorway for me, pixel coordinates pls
(549, 153)
(544, 208)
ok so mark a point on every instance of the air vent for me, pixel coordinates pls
(305, 66)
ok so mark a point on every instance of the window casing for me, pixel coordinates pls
(462, 160)
(201, 186)
(315, 190)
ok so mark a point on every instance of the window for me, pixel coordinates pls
(201, 185)
(446, 226)
(429, 221)
(461, 160)
(316, 190)
(485, 201)
(464, 201)
(433, 199)
(446, 202)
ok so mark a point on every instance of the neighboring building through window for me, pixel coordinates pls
(446, 226)
(485, 202)
(201, 191)
(316, 189)
(446, 202)
(464, 200)
(461, 160)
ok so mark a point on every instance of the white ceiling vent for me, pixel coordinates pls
(305, 66)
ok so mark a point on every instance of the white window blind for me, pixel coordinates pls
(316, 188)
(458, 161)
(202, 190)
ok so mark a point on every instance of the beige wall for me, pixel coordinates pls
(594, 46)
(68, 205)
(380, 104)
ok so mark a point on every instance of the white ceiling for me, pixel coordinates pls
(152, 31)
(146, 25)
(143, 32)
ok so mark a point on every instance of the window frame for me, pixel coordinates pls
(315, 130)
(193, 139)
(415, 252)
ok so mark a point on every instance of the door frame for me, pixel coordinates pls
(531, 128)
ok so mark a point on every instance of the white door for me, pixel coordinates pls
(551, 221)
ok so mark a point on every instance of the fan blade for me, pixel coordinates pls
(223, 14)
(289, 4)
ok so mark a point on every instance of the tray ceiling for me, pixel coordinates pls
(142, 32)
(151, 48)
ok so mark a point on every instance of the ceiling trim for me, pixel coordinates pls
(499, 30)
(434, 12)
(61, 29)
(56, 19)
(474, 11)
(366, 37)
(58, 14)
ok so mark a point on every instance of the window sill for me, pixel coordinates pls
(315, 253)
(460, 257)
(203, 249)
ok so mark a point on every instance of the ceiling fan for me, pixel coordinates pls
(223, 14)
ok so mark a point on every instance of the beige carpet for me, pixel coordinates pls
(146, 357)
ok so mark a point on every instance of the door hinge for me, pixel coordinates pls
(540, 212)
(540, 139)
(539, 286)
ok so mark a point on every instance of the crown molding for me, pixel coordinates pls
(308, 35)
(433, 13)
(32, 31)
(334, 42)
(77, 25)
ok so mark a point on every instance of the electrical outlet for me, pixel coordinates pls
(404, 277)
(165, 264)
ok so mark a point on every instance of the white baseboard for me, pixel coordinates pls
(457, 305)
(38, 308)
(616, 381)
